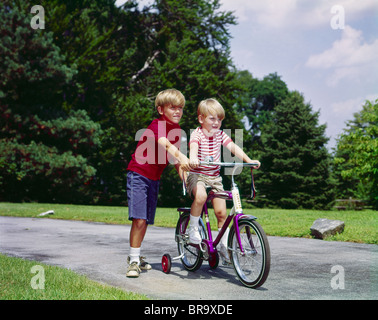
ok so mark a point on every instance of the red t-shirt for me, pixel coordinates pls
(149, 158)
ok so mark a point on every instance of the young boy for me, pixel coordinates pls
(205, 142)
(159, 143)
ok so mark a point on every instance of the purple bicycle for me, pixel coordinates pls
(248, 246)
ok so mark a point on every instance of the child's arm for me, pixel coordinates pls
(193, 155)
(237, 151)
(183, 174)
(172, 150)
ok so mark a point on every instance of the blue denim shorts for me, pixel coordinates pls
(142, 195)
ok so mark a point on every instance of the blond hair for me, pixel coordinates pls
(210, 106)
(170, 97)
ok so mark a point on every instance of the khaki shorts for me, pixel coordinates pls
(215, 183)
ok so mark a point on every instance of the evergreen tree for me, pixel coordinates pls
(259, 99)
(125, 56)
(295, 162)
(44, 151)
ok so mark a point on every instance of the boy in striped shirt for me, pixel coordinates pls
(205, 142)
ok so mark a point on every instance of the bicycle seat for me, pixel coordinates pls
(220, 194)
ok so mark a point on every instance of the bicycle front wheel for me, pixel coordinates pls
(192, 256)
(252, 267)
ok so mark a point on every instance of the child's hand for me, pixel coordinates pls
(194, 163)
(257, 162)
(184, 163)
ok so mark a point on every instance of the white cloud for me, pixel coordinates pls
(348, 58)
(343, 111)
(289, 14)
(350, 50)
(268, 12)
(350, 106)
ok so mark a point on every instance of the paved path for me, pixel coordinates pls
(301, 268)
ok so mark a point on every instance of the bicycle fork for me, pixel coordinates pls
(236, 213)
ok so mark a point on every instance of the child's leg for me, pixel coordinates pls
(220, 211)
(137, 233)
(200, 197)
(142, 199)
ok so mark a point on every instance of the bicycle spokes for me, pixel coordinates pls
(253, 263)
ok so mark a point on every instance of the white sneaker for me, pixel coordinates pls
(194, 235)
(223, 252)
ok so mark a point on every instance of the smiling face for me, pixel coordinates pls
(210, 115)
(170, 113)
(210, 124)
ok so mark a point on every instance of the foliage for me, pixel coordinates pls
(295, 162)
(125, 56)
(357, 153)
(44, 152)
(73, 97)
(259, 99)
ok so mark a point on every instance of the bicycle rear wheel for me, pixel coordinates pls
(193, 256)
(252, 267)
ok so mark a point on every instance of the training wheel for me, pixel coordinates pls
(166, 263)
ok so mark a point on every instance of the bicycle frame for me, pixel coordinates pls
(211, 244)
(235, 213)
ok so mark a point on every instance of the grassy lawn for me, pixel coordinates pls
(60, 284)
(360, 226)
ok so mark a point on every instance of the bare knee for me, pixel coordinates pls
(139, 224)
(221, 215)
(200, 199)
(200, 195)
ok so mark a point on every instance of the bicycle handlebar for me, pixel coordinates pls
(229, 164)
(236, 165)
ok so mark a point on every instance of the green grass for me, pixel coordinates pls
(360, 226)
(16, 279)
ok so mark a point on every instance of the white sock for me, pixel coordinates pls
(134, 254)
(225, 237)
(194, 221)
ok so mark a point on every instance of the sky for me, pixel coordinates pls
(325, 49)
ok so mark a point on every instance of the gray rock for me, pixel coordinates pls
(323, 228)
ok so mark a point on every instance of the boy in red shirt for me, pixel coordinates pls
(158, 146)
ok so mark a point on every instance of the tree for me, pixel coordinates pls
(295, 162)
(125, 56)
(259, 99)
(44, 151)
(357, 154)
(111, 62)
(192, 40)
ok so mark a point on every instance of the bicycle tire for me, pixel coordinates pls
(253, 267)
(193, 256)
